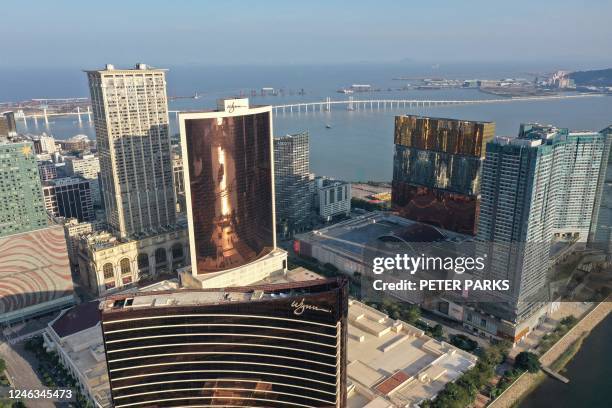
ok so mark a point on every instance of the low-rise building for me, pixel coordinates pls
(333, 198)
(393, 364)
(344, 244)
(78, 143)
(73, 230)
(35, 276)
(76, 336)
(107, 264)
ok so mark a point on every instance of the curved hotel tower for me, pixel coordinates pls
(262, 346)
(229, 189)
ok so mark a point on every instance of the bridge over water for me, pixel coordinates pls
(328, 105)
(373, 104)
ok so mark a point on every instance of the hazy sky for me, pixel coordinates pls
(228, 32)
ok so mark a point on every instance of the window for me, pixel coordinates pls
(125, 266)
(160, 256)
(177, 251)
(108, 271)
(143, 261)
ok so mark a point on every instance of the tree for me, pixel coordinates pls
(527, 361)
(412, 313)
(569, 320)
(463, 342)
(437, 331)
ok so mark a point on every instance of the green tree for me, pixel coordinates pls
(411, 314)
(527, 361)
(437, 331)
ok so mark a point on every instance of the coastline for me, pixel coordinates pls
(560, 354)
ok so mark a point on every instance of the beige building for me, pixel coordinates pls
(130, 111)
(87, 166)
(76, 337)
(108, 264)
(394, 364)
(73, 230)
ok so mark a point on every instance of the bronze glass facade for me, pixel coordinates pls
(264, 346)
(229, 161)
(436, 170)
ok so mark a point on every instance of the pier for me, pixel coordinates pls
(555, 374)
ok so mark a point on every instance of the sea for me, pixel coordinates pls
(357, 145)
(589, 372)
(350, 145)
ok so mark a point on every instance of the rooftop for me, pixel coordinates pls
(104, 239)
(79, 336)
(391, 363)
(79, 318)
(137, 67)
(193, 297)
(353, 236)
(448, 119)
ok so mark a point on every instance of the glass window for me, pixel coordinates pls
(108, 271)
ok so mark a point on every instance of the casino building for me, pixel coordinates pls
(279, 345)
(436, 170)
(229, 192)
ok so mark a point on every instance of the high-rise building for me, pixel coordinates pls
(4, 127)
(436, 170)
(535, 188)
(281, 345)
(130, 111)
(44, 144)
(11, 124)
(21, 201)
(47, 170)
(88, 167)
(292, 182)
(179, 182)
(229, 189)
(69, 197)
(603, 221)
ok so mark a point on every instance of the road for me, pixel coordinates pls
(20, 368)
(450, 327)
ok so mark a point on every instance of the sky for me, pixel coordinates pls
(70, 33)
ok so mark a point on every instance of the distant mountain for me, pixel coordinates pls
(599, 77)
